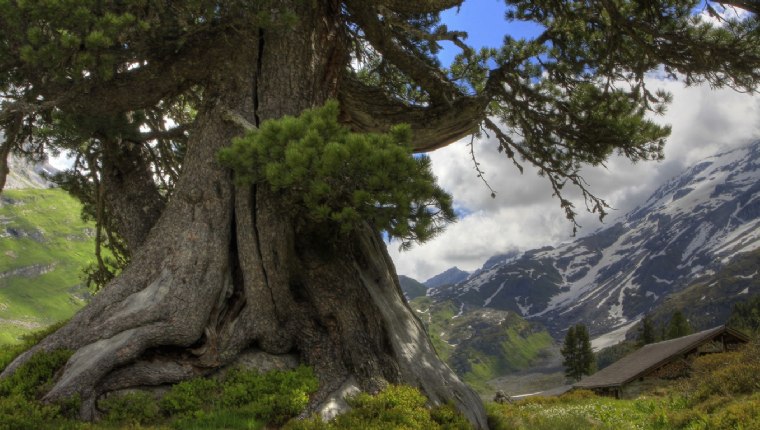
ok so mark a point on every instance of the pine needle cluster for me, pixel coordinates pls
(328, 175)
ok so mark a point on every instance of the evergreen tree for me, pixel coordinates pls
(569, 352)
(578, 355)
(647, 330)
(745, 316)
(678, 325)
(145, 94)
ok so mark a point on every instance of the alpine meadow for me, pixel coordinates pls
(245, 162)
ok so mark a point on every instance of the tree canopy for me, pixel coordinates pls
(646, 332)
(89, 77)
(678, 326)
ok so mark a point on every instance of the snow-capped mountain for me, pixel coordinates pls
(689, 228)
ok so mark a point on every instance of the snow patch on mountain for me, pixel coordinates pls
(612, 338)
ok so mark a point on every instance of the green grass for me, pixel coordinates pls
(50, 233)
(647, 413)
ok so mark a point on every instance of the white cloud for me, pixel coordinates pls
(524, 215)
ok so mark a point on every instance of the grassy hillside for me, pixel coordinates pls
(481, 344)
(411, 287)
(44, 245)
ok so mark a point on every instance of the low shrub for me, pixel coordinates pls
(191, 396)
(9, 352)
(219, 419)
(273, 397)
(400, 407)
(724, 375)
(136, 407)
(743, 414)
(577, 395)
(19, 406)
(20, 413)
(34, 376)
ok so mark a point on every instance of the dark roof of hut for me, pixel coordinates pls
(652, 356)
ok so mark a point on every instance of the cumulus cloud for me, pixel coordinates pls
(524, 215)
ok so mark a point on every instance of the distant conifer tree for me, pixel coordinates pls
(678, 326)
(745, 316)
(647, 333)
(579, 357)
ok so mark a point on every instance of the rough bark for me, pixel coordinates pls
(131, 193)
(5, 149)
(224, 269)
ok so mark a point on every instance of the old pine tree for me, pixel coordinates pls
(146, 94)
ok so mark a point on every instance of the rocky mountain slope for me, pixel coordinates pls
(450, 277)
(690, 228)
(708, 300)
(25, 174)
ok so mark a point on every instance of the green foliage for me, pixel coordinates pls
(727, 374)
(577, 353)
(190, 396)
(743, 414)
(28, 340)
(330, 176)
(31, 378)
(19, 392)
(396, 407)
(647, 331)
(131, 408)
(20, 413)
(243, 397)
(273, 397)
(745, 315)
(678, 326)
(219, 418)
(242, 400)
(73, 39)
(591, 412)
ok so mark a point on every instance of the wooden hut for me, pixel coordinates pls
(652, 363)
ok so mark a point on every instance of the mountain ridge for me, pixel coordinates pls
(690, 227)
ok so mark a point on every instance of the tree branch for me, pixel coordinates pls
(414, 7)
(369, 109)
(430, 78)
(143, 86)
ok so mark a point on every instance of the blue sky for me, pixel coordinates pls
(524, 215)
(484, 22)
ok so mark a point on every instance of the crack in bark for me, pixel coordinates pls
(237, 300)
(259, 63)
(257, 238)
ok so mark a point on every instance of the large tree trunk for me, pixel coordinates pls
(224, 269)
